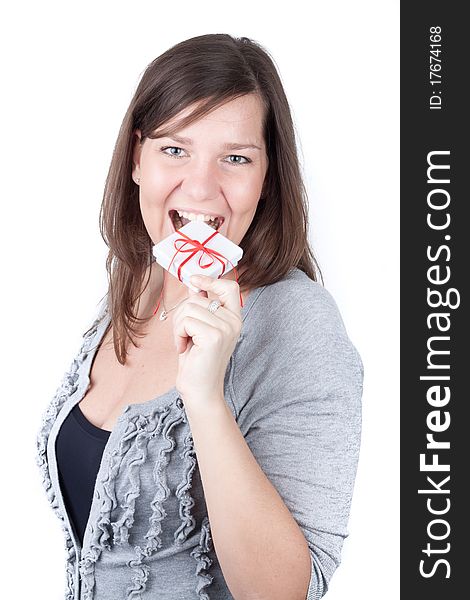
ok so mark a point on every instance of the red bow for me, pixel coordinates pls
(197, 246)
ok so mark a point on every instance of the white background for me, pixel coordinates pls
(69, 71)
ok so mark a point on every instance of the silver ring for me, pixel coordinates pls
(214, 305)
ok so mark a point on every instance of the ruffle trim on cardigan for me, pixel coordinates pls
(203, 561)
(66, 388)
(140, 430)
(133, 446)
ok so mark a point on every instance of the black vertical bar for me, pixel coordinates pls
(434, 257)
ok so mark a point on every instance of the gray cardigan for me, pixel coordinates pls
(294, 386)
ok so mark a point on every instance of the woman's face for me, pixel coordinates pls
(217, 170)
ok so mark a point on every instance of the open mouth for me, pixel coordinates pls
(179, 222)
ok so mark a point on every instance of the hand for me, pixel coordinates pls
(205, 341)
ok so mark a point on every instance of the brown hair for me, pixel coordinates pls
(209, 70)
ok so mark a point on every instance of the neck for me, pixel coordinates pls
(174, 290)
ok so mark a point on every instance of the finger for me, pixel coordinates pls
(225, 290)
(198, 309)
(190, 329)
(204, 322)
(200, 294)
(183, 341)
(181, 345)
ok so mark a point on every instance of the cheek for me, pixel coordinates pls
(151, 205)
(152, 209)
(245, 198)
(158, 183)
(154, 193)
(160, 177)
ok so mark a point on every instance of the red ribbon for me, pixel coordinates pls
(197, 246)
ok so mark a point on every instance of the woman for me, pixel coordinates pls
(216, 458)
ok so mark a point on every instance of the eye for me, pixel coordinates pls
(235, 163)
(247, 160)
(171, 148)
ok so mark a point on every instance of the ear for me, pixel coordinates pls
(136, 154)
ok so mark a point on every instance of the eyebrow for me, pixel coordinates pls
(226, 146)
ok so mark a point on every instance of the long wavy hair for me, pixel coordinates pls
(208, 70)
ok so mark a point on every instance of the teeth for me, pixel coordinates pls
(212, 221)
(194, 217)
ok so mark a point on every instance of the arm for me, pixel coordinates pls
(296, 389)
(261, 550)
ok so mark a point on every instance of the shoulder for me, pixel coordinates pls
(297, 293)
(294, 329)
(99, 313)
(296, 349)
(296, 308)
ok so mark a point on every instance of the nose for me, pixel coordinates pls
(200, 182)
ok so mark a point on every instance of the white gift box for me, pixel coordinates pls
(200, 231)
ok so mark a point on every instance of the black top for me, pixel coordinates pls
(79, 449)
